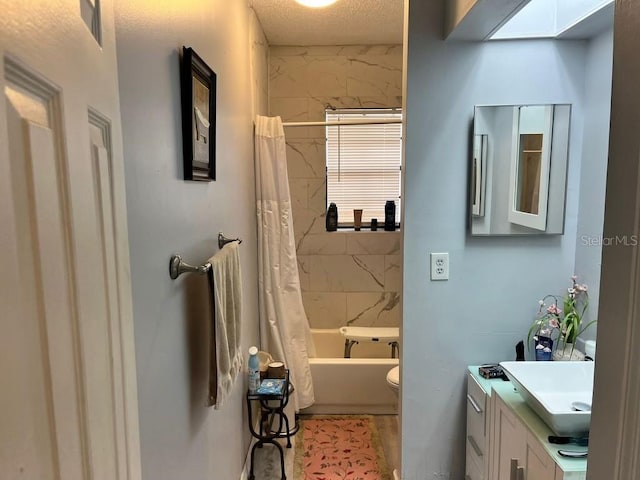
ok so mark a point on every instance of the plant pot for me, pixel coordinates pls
(567, 352)
(544, 347)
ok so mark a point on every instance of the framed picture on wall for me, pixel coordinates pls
(198, 98)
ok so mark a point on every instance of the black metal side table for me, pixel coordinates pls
(271, 410)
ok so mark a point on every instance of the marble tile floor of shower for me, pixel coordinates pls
(267, 460)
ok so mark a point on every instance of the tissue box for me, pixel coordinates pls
(491, 371)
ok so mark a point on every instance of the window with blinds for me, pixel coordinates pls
(363, 164)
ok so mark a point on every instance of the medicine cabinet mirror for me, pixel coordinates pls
(518, 171)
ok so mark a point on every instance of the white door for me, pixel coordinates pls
(68, 404)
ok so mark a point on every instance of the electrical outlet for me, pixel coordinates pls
(439, 266)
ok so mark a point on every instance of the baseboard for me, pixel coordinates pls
(383, 409)
(245, 471)
(244, 475)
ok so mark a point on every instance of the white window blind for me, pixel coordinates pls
(363, 164)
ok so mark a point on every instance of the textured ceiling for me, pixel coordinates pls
(347, 22)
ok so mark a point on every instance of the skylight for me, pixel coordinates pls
(549, 18)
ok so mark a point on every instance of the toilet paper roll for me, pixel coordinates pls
(265, 359)
(275, 370)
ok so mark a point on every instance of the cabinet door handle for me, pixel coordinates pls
(473, 403)
(474, 445)
(513, 473)
(520, 475)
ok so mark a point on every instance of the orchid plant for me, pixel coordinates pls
(563, 325)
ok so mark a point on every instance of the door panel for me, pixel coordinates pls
(44, 362)
(67, 367)
(56, 311)
(538, 464)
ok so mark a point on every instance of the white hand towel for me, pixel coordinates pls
(225, 285)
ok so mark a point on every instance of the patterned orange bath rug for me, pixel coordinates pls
(341, 447)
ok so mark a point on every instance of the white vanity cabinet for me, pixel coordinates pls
(508, 443)
(517, 454)
(477, 427)
(506, 440)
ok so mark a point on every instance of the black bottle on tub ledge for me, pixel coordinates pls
(332, 218)
(390, 216)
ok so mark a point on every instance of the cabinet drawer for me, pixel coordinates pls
(475, 465)
(476, 415)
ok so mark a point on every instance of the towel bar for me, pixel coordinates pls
(222, 240)
(177, 266)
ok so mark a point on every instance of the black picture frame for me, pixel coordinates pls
(198, 84)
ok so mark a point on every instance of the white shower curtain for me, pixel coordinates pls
(284, 328)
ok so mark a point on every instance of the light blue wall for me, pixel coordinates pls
(181, 438)
(495, 283)
(597, 109)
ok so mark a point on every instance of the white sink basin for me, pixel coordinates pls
(552, 389)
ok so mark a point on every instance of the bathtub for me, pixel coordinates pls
(355, 385)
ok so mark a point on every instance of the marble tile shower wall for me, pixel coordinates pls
(347, 277)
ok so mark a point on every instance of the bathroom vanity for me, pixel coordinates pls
(506, 440)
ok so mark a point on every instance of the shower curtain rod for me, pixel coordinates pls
(372, 121)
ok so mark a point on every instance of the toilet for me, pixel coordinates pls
(393, 379)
